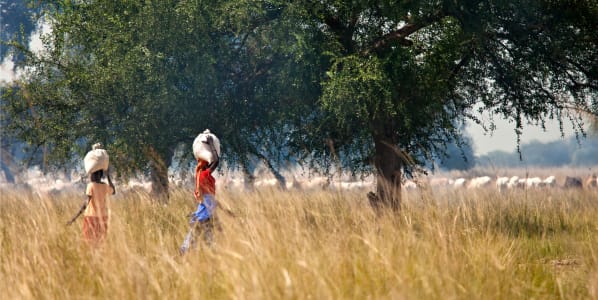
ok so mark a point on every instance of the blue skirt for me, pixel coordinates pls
(205, 210)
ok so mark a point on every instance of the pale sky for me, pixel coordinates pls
(505, 139)
(6, 69)
(7, 66)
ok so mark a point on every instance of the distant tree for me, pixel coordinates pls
(585, 157)
(593, 121)
(498, 158)
(583, 153)
(147, 77)
(137, 76)
(459, 154)
(566, 152)
(552, 154)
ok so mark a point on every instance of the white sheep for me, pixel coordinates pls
(459, 183)
(409, 185)
(441, 182)
(266, 183)
(513, 182)
(549, 181)
(533, 182)
(479, 182)
(502, 183)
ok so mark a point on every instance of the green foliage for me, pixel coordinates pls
(406, 75)
(328, 82)
(15, 17)
(146, 77)
(109, 77)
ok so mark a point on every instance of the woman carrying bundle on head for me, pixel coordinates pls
(96, 210)
(206, 149)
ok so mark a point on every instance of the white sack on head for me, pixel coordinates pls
(96, 159)
(202, 150)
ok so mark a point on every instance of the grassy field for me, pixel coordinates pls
(293, 245)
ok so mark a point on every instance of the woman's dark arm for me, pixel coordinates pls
(213, 165)
(110, 182)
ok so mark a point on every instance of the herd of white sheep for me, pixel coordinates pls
(501, 183)
(36, 181)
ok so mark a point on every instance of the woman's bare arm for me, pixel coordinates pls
(110, 182)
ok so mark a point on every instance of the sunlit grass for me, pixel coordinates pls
(322, 245)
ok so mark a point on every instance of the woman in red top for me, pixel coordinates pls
(205, 184)
(203, 219)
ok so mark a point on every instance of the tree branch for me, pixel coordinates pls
(464, 61)
(334, 23)
(400, 35)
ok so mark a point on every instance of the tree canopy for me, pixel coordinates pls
(375, 86)
(400, 74)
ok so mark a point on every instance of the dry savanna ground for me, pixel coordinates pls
(320, 245)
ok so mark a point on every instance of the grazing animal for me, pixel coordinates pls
(549, 181)
(459, 183)
(266, 183)
(592, 182)
(479, 182)
(533, 182)
(502, 183)
(410, 185)
(315, 183)
(440, 182)
(573, 182)
(514, 182)
(350, 185)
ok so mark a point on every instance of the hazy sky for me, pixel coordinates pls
(505, 139)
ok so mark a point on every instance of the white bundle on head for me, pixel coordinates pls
(201, 149)
(96, 159)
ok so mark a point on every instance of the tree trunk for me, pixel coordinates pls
(159, 175)
(282, 182)
(6, 163)
(248, 177)
(388, 162)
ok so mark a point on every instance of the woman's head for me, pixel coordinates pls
(97, 176)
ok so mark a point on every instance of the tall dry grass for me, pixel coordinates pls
(293, 245)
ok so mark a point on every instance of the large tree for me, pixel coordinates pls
(401, 74)
(107, 75)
